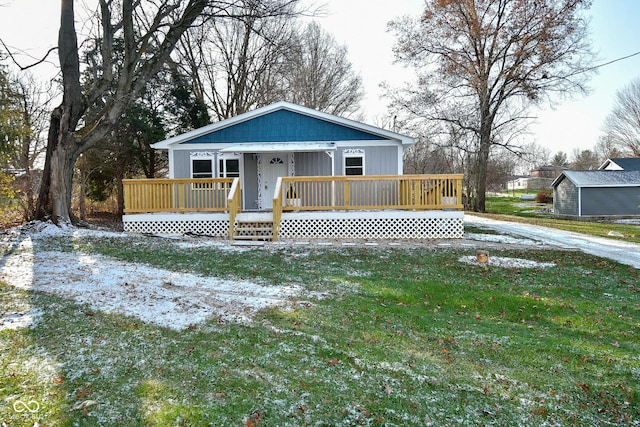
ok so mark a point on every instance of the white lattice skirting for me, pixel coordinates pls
(314, 225)
(373, 225)
(211, 224)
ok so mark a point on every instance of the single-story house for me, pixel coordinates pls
(292, 171)
(283, 139)
(597, 193)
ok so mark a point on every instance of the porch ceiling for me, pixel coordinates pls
(279, 147)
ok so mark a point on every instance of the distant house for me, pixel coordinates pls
(539, 179)
(547, 171)
(597, 193)
(518, 183)
(621, 164)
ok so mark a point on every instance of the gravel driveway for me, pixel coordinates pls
(622, 252)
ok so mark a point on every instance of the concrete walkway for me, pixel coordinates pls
(622, 252)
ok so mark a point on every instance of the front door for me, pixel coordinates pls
(273, 166)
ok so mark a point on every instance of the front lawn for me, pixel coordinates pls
(379, 336)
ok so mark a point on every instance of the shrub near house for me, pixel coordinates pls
(544, 196)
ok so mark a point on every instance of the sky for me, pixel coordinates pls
(573, 124)
(361, 25)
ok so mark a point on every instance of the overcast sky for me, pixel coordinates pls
(32, 25)
(615, 28)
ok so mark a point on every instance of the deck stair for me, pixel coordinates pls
(254, 226)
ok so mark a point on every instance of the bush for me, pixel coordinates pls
(544, 196)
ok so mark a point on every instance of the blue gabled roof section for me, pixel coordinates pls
(283, 126)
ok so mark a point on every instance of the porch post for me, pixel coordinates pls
(333, 173)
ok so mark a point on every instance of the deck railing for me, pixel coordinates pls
(297, 193)
(176, 195)
(419, 192)
(330, 193)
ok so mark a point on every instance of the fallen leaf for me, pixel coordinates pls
(58, 380)
(254, 418)
(333, 362)
(387, 389)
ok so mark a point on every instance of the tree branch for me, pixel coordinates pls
(26, 67)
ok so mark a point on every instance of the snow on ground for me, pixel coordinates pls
(177, 300)
(496, 261)
(20, 319)
(620, 251)
(501, 238)
(169, 299)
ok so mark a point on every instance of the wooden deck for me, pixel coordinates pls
(330, 204)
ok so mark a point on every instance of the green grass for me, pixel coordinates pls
(401, 337)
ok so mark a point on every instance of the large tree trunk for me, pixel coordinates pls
(62, 168)
(482, 163)
(54, 200)
(482, 159)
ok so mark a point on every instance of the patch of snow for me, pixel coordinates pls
(500, 238)
(506, 262)
(169, 299)
(628, 221)
(20, 320)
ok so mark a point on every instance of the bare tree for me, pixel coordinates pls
(30, 145)
(481, 63)
(608, 148)
(585, 160)
(238, 64)
(149, 31)
(319, 74)
(622, 125)
(254, 61)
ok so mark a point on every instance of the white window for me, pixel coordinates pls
(354, 162)
(202, 164)
(229, 166)
(202, 168)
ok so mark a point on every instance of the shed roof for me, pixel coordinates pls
(600, 178)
